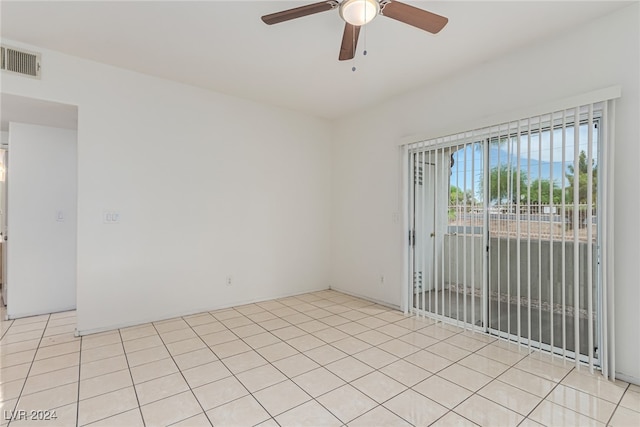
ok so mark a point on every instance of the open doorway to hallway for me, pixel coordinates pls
(39, 206)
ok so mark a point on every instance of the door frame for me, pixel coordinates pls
(3, 223)
(409, 205)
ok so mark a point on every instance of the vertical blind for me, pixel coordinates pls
(512, 232)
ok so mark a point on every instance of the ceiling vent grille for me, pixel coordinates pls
(20, 61)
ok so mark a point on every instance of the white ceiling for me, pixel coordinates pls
(224, 46)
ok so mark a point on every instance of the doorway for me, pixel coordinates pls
(3, 214)
(505, 231)
(40, 207)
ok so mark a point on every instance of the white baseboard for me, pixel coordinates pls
(38, 313)
(628, 378)
(386, 304)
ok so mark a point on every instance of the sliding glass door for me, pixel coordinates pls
(504, 235)
(543, 233)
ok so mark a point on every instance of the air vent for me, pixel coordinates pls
(20, 61)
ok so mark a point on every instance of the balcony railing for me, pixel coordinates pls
(539, 222)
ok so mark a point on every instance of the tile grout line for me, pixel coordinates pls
(271, 363)
(233, 374)
(530, 352)
(57, 355)
(347, 355)
(43, 373)
(513, 366)
(473, 393)
(381, 404)
(79, 384)
(10, 322)
(573, 369)
(101, 375)
(251, 349)
(549, 393)
(29, 370)
(298, 352)
(315, 399)
(618, 404)
(24, 340)
(182, 373)
(128, 368)
(11, 327)
(124, 351)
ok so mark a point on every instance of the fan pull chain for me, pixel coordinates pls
(353, 43)
(364, 51)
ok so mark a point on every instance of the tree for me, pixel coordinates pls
(503, 184)
(583, 176)
(583, 181)
(541, 190)
(459, 197)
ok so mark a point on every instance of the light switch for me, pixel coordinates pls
(110, 217)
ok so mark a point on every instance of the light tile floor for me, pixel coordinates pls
(317, 359)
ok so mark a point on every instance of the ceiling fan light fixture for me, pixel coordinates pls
(359, 12)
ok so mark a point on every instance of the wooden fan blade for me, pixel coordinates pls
(349, 42)
(299, 12)
(418, 18)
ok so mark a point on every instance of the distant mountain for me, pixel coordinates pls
(533, 168)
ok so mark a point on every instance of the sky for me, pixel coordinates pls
(537, 157)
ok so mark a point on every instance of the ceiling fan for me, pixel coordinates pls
(357, 13)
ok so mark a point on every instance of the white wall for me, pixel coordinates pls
(41, 217)
(207, 186)
(367, 164)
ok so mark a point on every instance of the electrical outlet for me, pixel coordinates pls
(382, 279)
(229, 280)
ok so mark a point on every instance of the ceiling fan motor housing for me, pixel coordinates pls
(359, 12)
